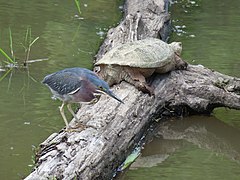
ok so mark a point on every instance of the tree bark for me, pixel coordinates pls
(114, 128)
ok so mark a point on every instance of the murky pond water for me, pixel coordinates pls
(28, 114)
(199, 147)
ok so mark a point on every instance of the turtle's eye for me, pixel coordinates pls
(97, 69)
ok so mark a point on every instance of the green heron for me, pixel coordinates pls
(76, 85)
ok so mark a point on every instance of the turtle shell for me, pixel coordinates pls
(146, 53)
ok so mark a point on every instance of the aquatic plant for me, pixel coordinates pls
(77, 3)
(10, 60)
(27, 44)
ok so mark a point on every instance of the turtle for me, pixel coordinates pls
(135, 61)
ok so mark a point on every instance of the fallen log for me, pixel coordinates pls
(114, 128)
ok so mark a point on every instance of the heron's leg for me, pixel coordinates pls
(63, 115)
(95, 100)
(80, 124)
(71, 111)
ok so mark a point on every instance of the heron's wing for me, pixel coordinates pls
(63, 83)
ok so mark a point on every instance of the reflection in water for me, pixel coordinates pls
(193, 140)
(205, 132)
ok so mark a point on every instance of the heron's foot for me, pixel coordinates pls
(83, 126)
(69, 130)
(78, 127)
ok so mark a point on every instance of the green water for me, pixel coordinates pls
(209, 31)
(27, 112)
(199, 147)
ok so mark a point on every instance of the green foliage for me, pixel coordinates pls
(10, 60)
(28, 42)
(130, 159)
(35, 150)
(11, 44)
(77, 3)
(5, 74)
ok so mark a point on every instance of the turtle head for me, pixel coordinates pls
(177, 47)
(108, 73)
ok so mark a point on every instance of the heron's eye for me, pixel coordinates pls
(101, 88)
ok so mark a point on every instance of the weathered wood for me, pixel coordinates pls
(115, 128)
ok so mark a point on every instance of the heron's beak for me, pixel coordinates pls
(111, 94)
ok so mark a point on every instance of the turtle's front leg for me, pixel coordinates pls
(135, 78)
(144, 87)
